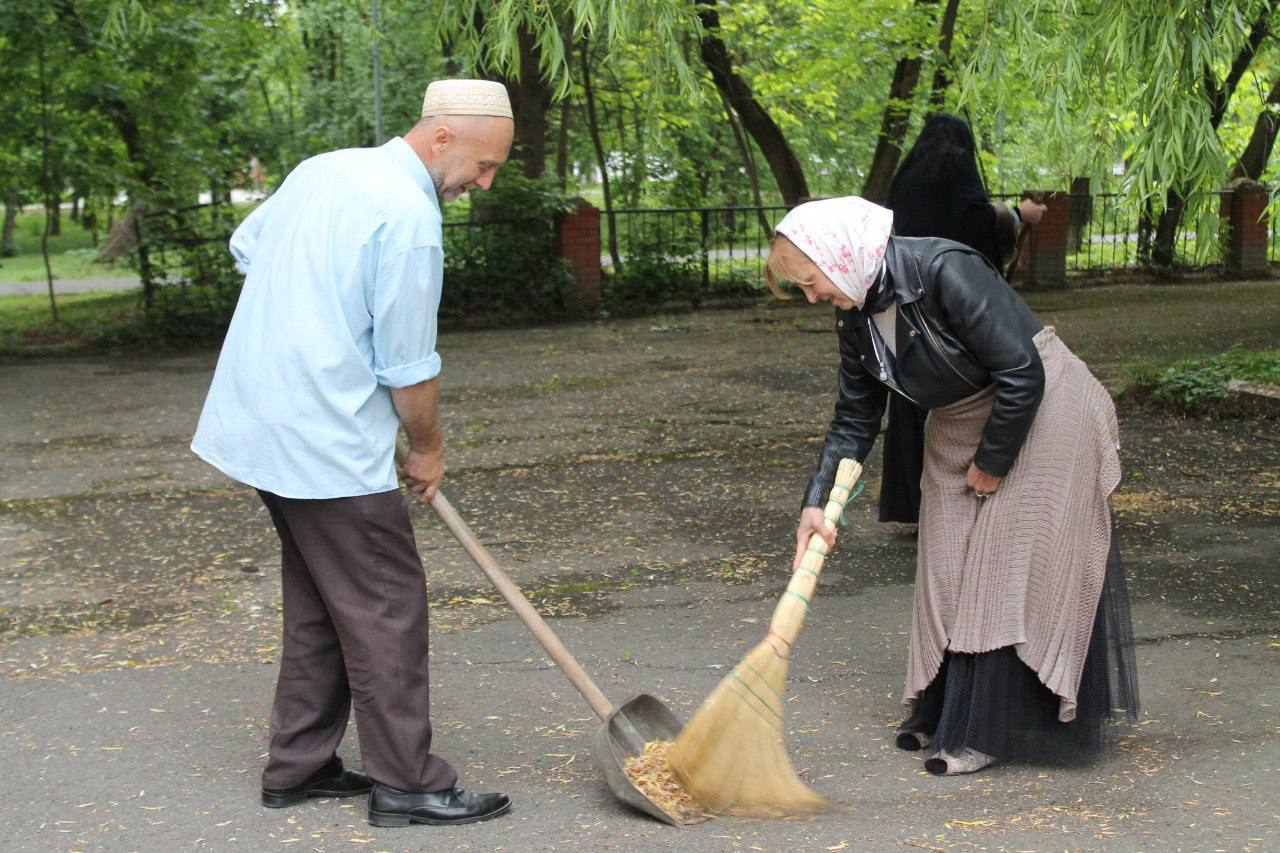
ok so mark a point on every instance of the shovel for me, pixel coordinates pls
(626, 728)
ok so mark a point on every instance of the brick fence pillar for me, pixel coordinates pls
(1044, 254)
(580, 246)
(1245, 228)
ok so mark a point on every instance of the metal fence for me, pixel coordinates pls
(689, 253)
(512, 266)
(728, 245)
(187, 248)
(1107, 233)
(721, 248)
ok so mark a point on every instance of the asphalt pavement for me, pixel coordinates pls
(640, 479)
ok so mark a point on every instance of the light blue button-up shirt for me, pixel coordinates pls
(343, 268)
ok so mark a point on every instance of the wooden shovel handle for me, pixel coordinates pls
(533, 621)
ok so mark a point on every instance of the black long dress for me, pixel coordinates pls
(996, 704)
(925, 204)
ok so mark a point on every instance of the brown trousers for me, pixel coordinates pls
(355, 632)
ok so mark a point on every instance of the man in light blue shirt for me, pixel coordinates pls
(331, 349)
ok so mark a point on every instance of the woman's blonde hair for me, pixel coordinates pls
(775, 265)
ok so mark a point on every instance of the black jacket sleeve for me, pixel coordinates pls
(860, 402)
(996, 327)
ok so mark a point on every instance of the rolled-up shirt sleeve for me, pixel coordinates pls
(405, 301)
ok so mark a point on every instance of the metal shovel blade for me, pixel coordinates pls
(626, 728)
(625, 732)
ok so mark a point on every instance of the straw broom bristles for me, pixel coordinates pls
(730, 757)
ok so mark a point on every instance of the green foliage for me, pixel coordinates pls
(664, 264)
(196, 306)
(1198, 386)
(86, 321)
(486, 34)
(505, 264)
(661, 263)
(652, 276)
(1126, 80)
(164, 99)
(71, 253)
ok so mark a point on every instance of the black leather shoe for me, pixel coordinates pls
(390, 807)
(329, 781)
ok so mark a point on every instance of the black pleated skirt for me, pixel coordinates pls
(994, 703)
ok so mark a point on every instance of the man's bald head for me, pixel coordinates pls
(461, 152)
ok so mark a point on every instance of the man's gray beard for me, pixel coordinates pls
(438, 183)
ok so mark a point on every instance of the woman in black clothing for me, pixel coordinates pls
(938, 192)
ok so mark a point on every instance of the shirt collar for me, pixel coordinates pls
(404, 155)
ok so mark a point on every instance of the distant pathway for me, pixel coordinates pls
(81, 285)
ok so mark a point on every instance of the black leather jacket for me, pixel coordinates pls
(961, 328)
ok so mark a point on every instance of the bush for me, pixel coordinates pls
(195, 284)
(1198, 386)
(652, 275)
(504, 263)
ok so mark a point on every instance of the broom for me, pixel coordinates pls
(730, 757)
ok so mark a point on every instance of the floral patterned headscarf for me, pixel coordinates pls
(845, 237)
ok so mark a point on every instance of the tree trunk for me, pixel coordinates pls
(893, 130)
(1162, 248)
(530, 100)
(938, 95)
(768, 137)
(562, 144)
(1081, 213)
(593, 126)
(122, 238)
(44, 173)
(122, 117)
(1256, 154)
(893, 123)
(630, 191)
(639, 166)
(1144, 235)
(1219, 97)
(749, 163)
(54, 207)
(8, 246)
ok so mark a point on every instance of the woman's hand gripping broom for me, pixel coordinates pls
(730, 757)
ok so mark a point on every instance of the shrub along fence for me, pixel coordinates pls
(710, 252)
(529, 253)
(189, 280)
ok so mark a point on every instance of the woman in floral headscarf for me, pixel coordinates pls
(1020, 642)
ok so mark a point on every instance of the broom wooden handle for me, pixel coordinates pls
(789, 615)
(515, 598)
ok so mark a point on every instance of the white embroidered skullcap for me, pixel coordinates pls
(466, 98)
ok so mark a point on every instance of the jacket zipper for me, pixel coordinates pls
(928, 330)
(884, 370)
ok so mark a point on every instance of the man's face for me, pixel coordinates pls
(469, 151)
